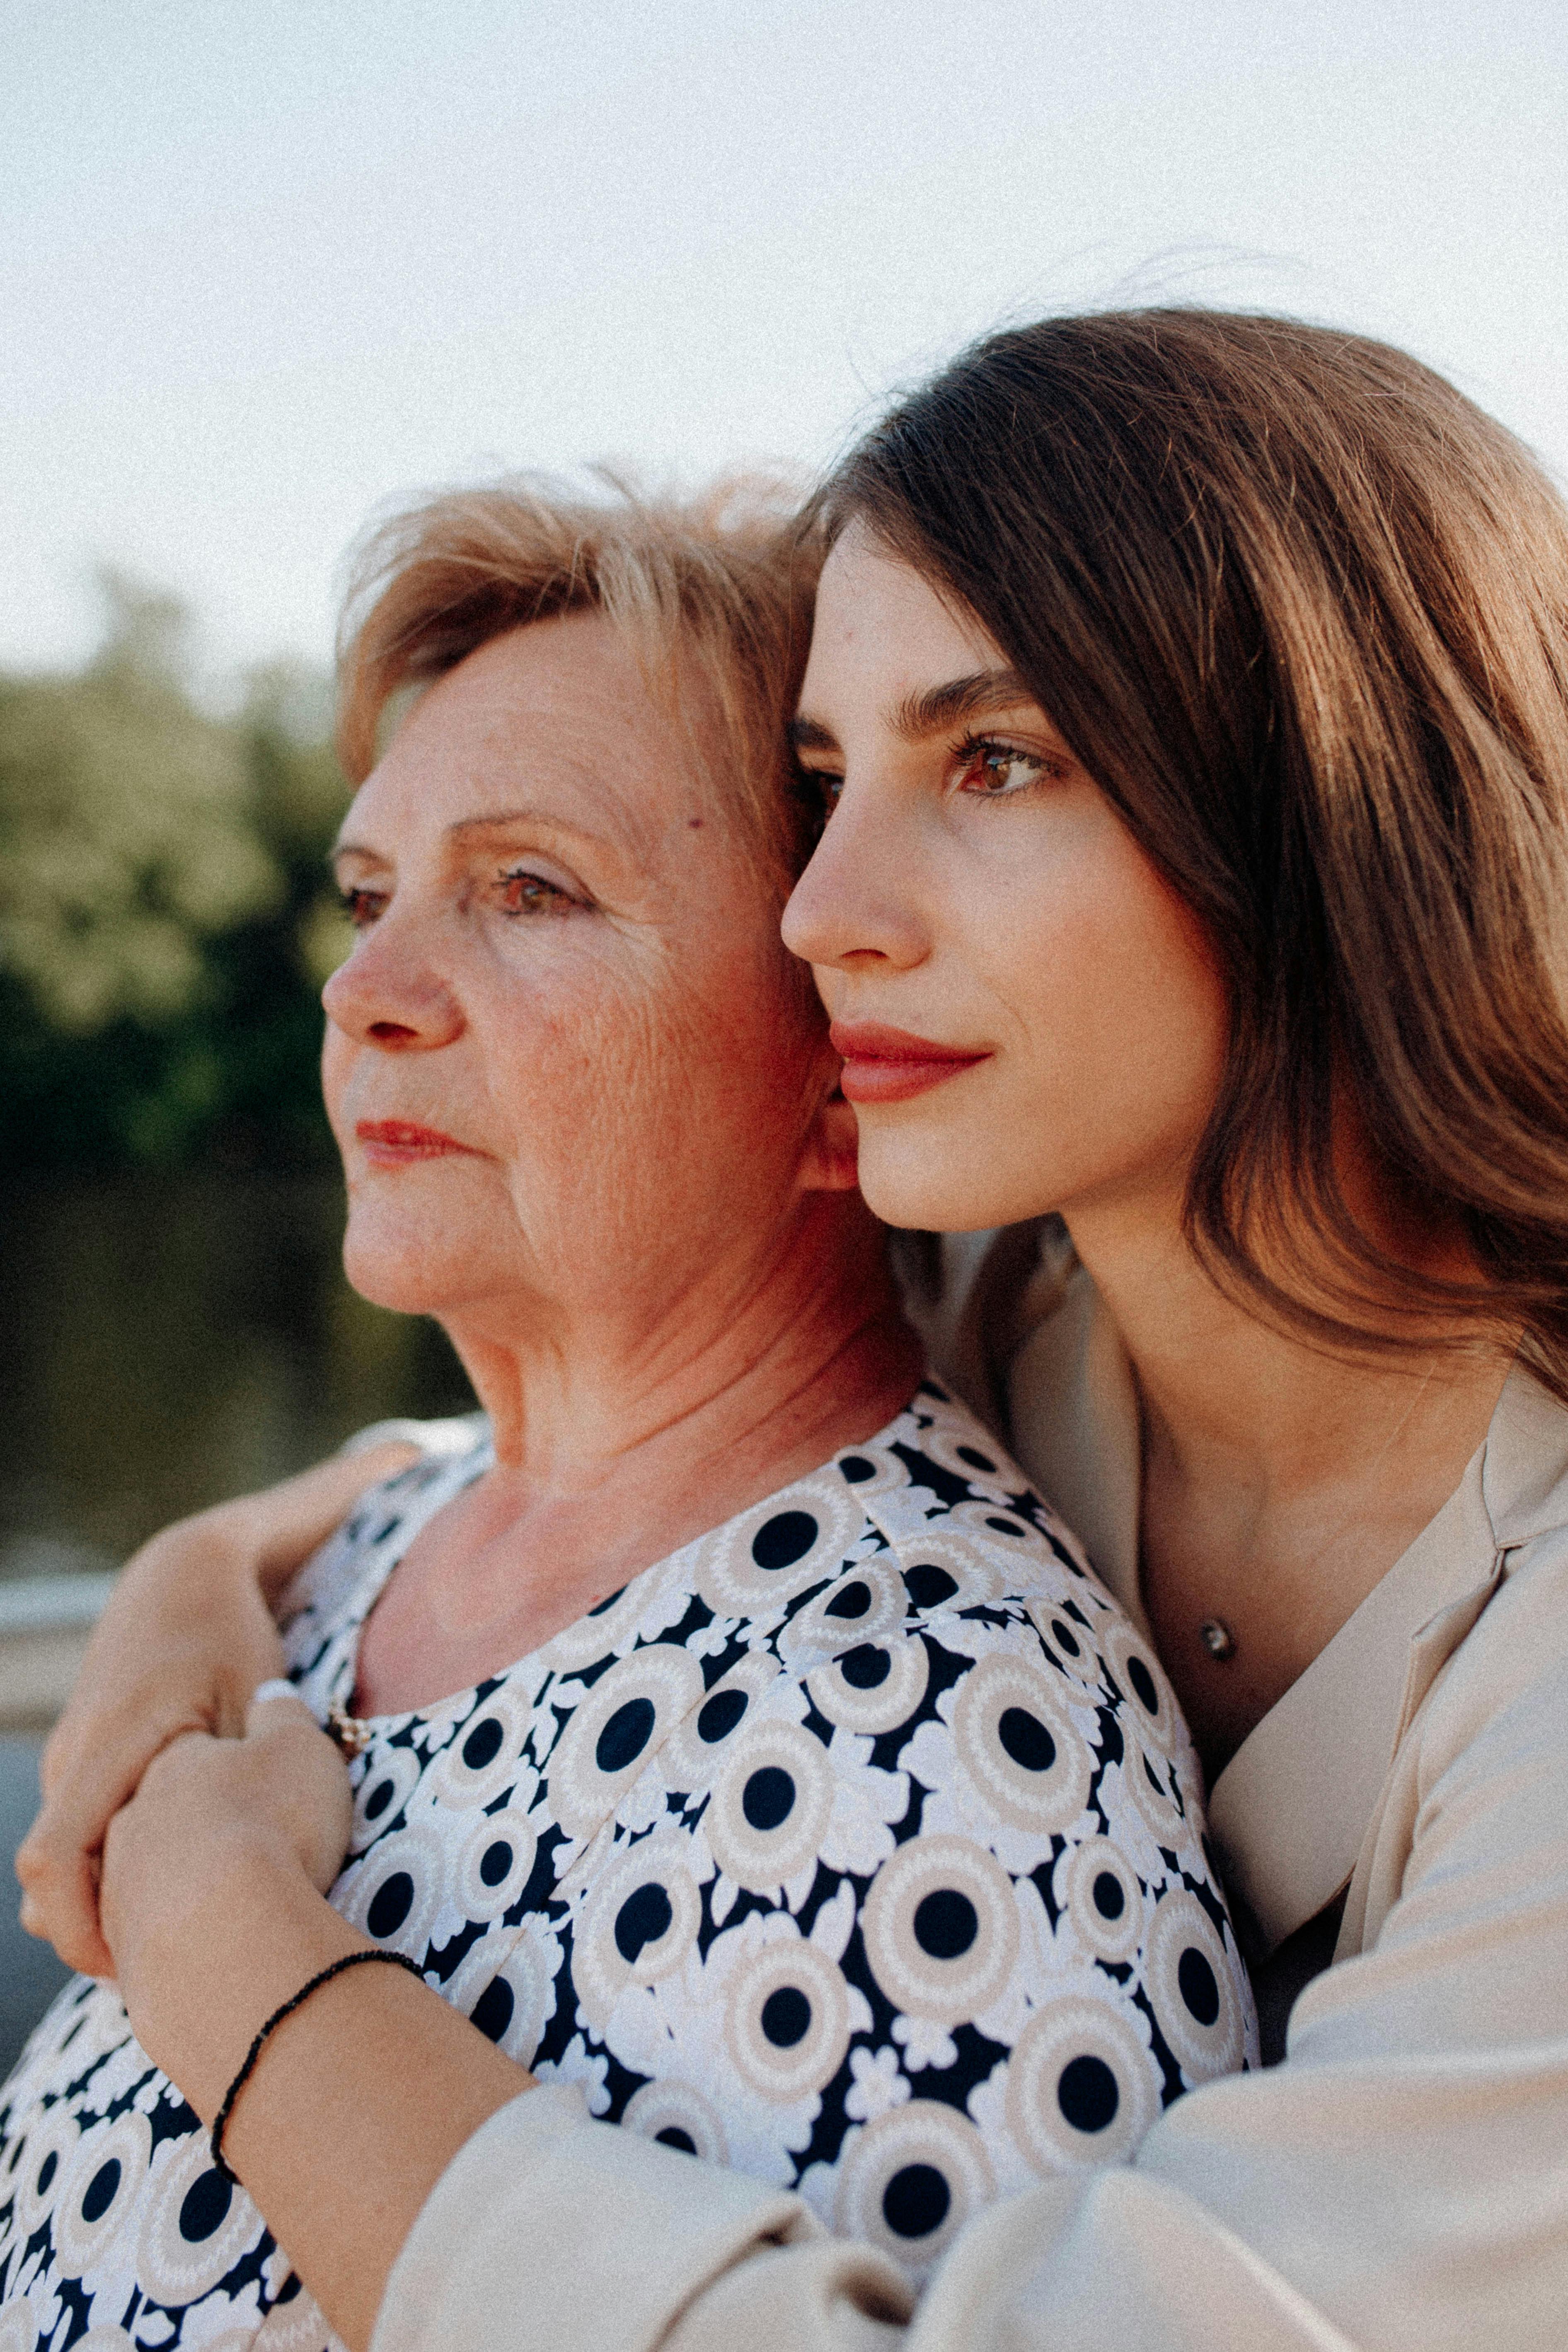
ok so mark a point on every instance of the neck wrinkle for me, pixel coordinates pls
(751, 1360)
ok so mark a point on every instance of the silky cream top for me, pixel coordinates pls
(1399, 2182)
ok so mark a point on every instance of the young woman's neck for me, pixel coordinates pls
(1280, 1482)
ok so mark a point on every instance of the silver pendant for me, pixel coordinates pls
(1218, 1638)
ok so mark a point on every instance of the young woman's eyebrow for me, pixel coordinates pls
(982, 695)
(932, 712)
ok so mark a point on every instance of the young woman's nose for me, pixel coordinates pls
(851, 904)
(388, 994)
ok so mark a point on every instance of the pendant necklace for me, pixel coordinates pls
(1214, 1633)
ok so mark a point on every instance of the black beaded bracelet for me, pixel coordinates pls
(322, 1976)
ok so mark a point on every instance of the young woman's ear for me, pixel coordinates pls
(829, 1164)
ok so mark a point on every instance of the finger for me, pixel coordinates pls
(59, 1905)
(275, 1705)
(54, 1757)
(310, 1786)
(58, 1860)
(87, 1793)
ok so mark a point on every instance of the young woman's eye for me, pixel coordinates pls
(524, 893)
(362, 905)
(996, 771)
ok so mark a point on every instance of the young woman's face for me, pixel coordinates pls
(1030, 1019)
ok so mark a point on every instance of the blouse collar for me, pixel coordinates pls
(1291, 1809)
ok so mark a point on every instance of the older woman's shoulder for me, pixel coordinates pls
(359, 1556)
(981, 1555)
(964, 1644)
(441, 1440)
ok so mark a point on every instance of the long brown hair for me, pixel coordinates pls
(1302, 610)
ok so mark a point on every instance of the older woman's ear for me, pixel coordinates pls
(829, 1164)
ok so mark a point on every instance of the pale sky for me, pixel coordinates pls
(268, 265)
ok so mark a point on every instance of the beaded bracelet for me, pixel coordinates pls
(322, 1976)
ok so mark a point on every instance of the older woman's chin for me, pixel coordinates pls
(398, 1262)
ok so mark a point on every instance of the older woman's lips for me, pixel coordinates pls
(394, 1142)
(890, 1064)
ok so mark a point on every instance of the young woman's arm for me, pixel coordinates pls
(1397, 2183)
(184, 1640)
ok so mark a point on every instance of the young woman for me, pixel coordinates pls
(1191, 695)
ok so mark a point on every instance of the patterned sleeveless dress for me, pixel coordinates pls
(858, 1845)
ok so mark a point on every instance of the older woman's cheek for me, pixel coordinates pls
(339, 1054)
(611, 1093)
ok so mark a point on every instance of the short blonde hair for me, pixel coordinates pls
(714, 593)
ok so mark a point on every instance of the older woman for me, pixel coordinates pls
(737, 1742)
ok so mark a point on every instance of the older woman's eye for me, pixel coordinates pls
(362, 907)
(523, 893)
(996, 771)
(819, 789)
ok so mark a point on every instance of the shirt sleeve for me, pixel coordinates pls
(1397, 2183)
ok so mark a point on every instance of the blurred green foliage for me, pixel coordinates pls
(166, 916)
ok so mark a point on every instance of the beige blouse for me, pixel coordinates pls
(1400, 2181)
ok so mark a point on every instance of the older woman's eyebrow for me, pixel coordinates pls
(809, 735)
(504, 820)
(509, 820)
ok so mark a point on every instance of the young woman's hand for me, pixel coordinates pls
(186, 1636)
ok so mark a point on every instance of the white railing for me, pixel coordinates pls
(43, 1624)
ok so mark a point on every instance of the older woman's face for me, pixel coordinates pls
(567, 1059)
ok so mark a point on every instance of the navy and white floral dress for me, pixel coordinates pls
(857, 1846)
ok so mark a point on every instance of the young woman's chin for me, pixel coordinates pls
(938, 1174)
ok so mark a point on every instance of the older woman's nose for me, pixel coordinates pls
(381, 996)
(850, 903)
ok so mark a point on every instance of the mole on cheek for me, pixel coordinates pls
(695, 823)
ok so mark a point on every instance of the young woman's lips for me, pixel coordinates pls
(890, 1064)
(394, 1142)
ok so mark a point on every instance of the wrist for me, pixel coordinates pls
(159, 1922)
(236, 1931)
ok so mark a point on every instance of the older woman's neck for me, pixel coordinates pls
(618, 1444)
(752, 1374)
